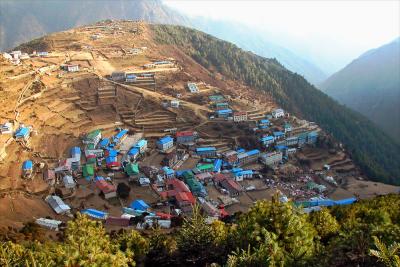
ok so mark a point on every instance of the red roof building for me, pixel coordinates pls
(108, 189)
(185, 201)
(231, 186)
(185, 136)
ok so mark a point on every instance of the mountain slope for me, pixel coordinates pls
(371, 85)
(372, 149)
(24, 20)
(249, 39)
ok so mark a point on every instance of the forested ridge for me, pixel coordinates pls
(271, 233)
(373, 150)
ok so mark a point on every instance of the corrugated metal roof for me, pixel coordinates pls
(253, 152)
(98, 214)
(165, 140)
(27, 165)
(206, 149)
(224, 111)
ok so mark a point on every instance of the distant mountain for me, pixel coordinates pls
(371, 85)
(251, 40)
(23, 20)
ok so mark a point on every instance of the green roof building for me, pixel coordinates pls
(88, 171)
(205, 167)
(132, 169)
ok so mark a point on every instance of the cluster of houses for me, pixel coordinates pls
(16, 56)
(222, 110)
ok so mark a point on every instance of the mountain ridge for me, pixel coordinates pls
(370, 85)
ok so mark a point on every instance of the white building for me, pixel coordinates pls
(16, 54)
(57, 204)
(69, 182)
(6, 128)
(278, 113)
(49, 223)
(193, 88)
(240, 116)
(174, 103)
(72, 68)
(271, 159)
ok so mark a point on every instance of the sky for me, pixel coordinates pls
(320, 30)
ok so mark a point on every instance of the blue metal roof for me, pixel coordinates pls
(165, 140)
(21, 132)
(120, 135)
(112, 152)
(206, 149)
(111, 159)
(346, 201)
(75, 150)
(243, 172)
(224, 111)
(27, 165)
(267, 138)
(139, 204)
(265, 121)
(104, 142)
(217, 165)
(253, 152)
(131, 76)
(280, 147)
(234, 170)
(240, 150)
(133, 151)
(141, 143)
(98, 214)
(167, 170)
(279, 133)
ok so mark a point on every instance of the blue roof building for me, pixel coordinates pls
(267, 140)
(76, 152)
(98, 214)
(27, 165)
(117, 138)
(278, 134)
(217, 165)
(165, 143)
(111, 152)
(134, 151)
(223, 113)
(206, 151)
(22, 132)
(103, 142)
(253, 152)
(139, 204)
(169, 173)
(263, 122)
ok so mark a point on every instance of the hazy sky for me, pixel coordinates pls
(332, 29)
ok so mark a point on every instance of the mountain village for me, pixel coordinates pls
(104, 122)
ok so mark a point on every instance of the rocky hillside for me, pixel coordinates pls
(370, 147)
(21, 21)
(25, 20)
(370, 85)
